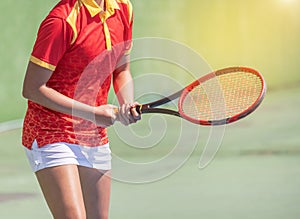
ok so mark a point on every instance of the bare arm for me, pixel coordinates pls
(124, 89)
(35, 89)
(123, 85)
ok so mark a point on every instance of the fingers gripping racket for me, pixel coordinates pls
(220, 97)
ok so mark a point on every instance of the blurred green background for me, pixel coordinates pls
(256, 173)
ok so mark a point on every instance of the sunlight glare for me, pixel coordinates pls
(288, 1)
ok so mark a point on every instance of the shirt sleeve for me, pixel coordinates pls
(53, 39)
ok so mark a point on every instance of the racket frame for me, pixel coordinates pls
(181, 94)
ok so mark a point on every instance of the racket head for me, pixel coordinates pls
(223, 96)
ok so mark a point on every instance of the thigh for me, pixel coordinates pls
(62, 191)
(96, 186)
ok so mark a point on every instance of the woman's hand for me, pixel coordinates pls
(105, 115)
(127, 114)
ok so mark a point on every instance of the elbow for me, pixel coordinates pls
(35, 79)
(27, 93)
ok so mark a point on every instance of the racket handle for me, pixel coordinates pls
(138, 108)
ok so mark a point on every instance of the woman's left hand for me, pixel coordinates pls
(127, 114)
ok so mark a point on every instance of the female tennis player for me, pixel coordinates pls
(81, 46)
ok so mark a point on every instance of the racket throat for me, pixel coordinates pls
(147, 109)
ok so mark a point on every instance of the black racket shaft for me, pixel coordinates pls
(151, 107)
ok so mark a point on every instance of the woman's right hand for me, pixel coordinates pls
(105, 115)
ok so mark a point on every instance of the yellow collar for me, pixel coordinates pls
(95, 9)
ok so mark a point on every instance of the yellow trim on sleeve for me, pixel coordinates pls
(42, 63)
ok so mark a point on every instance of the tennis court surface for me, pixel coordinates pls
(255, 174)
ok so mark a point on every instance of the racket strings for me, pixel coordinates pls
(223, 96)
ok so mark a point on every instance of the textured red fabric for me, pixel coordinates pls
(83, 71)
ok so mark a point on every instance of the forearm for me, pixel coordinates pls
(36, 90)
(56, 101)
(104, 115)
(123, 86)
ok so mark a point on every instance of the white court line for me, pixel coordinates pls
(11, 125)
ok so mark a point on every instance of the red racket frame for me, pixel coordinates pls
(151, 107)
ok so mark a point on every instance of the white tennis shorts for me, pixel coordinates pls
(62, 153)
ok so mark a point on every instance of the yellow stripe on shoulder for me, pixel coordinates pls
(129, 7)
(42, 63)
(72, 18)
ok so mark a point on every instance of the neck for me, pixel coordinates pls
(101, 3)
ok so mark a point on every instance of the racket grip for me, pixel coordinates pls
(138, 108)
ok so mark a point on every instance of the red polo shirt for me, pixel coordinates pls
(82, 45)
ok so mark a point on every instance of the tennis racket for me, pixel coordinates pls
(220, 97)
